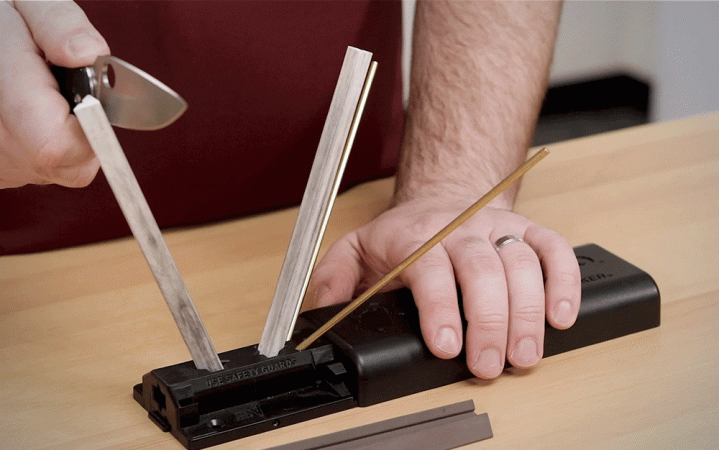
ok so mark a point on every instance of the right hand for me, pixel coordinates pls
(505, 298)
(41, 142)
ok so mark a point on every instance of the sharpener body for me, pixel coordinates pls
(375, 354)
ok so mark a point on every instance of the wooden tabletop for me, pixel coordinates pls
(79, 327)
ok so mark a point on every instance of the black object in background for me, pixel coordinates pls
(592, 106)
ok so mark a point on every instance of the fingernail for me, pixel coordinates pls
(447, 341)
(83, 44)
(563, 314)
(525, 353)
(489, 363)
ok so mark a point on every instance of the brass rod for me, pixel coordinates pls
(459, 220)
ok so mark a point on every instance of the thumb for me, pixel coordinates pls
(63, 32)
(336, 276)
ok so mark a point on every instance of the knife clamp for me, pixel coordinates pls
(374, 355)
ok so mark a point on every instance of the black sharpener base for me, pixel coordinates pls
(374, 355)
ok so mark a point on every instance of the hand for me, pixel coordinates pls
(40, 141)
(504, 296)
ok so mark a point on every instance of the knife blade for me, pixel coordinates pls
(130, 97)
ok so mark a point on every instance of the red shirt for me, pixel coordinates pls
(258, 78)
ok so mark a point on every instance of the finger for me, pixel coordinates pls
(63, 32)
(65, 157)
(433, 286)
(525, 337)
(44, 142)
(561, 270)
(480, 275)
(336, 276)
(47, 140)
(78, 175)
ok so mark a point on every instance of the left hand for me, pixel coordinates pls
(506, 292)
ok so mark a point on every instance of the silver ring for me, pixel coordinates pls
(504, 240)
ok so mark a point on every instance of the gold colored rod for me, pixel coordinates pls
(469, 212)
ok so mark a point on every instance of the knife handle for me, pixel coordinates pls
(75, 84)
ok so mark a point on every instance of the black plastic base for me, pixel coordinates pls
(253, 394)
(374, 355)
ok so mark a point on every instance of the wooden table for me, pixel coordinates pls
(79, 327)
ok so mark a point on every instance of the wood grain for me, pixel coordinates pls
(325, 175)
(127, 191)
(80, 326)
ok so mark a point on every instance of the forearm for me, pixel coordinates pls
(479, 74)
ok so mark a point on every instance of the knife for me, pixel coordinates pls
(130, 98)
